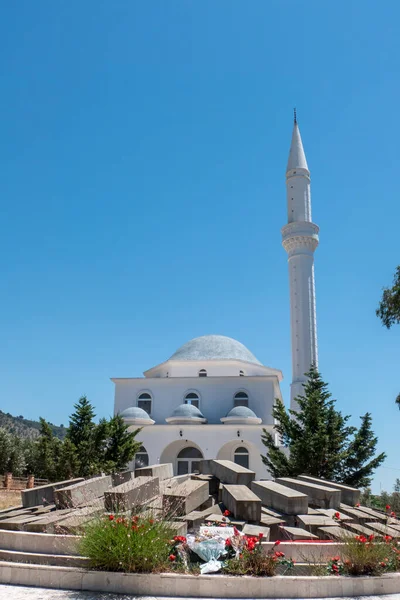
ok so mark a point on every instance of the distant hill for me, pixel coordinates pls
(25, 428)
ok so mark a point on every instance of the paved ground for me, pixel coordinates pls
(12, 592)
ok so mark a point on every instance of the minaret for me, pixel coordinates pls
(300, 239)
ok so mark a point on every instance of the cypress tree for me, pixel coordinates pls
(121, 445)
(82, 433)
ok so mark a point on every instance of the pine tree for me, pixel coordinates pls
(16, 462)
(5, 449)
(82, 433)
(45, 452)
(318, 441)
(67, 464)
(361, 461)
(121, 445)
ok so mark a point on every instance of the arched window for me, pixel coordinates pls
(241, 399)
(241, 373)
(192, 398)
(202, 373)
(241, 457)
(141, 458)
(188, 460)
(144, 402)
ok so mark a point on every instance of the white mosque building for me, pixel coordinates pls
(212, 397)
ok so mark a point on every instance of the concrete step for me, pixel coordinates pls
(33, 558)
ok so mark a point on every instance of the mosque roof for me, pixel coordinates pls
(137, 414)
(214, 347)
(243, 412)
(187, 411)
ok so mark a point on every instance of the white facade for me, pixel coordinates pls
(213, 398)
(300, 239)
(225, 380)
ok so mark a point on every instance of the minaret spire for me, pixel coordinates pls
(300, 239)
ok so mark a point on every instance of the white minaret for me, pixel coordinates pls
(300, 239)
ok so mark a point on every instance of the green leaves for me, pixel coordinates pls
(389, 307)
(317, 439)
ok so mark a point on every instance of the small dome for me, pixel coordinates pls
(187, 411)
(134, 412)
(214, 347)
(242, 412)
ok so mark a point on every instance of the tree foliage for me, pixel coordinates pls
(389, 307)
(88, 449)
(317, 440)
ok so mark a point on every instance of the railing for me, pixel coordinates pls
(21, 483)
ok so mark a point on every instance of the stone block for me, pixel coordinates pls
(213, 483)
(242, 502)
(349, 495)
(358, 515)
(47, 523)
(318, 495)
(123, 477)
(256, 530)
(18, 523)
(280, 497)
(297, 533)
(177, 527)
(185, 497)
(229, 472)
(331, 512)
(313, 522)
(373, 514)
(384, 529)
(333, 533)
(360, 529)
(44, 494)
(82, 493)
(134, 493)
(162, 471)
(205, 466)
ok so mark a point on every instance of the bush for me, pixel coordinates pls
(362, 555)
(250, 558)
(138, 544)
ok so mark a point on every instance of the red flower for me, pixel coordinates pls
(134, 527)
(388, 538)
(111, 517)
(277, 543)
(227, 513)
(336, 558)
(228, 542)
(393, 514)
(337, 515)
(383, 564)
(235, 531)
(387, 507)
(172, 557)
(357, 505)
(180, 538)
(151, 521)
(371, 537)
(260, 536)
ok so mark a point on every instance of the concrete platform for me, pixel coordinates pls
(162, 471)
(312, 523)
(333, 533)
(256, 530)
(331, 512)
(44, 493)
(80, 494)
(280, 497)
(384, 530)
(297, 533)
(318, 495)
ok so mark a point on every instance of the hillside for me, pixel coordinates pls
(25, 428)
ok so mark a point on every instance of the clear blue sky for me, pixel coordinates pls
(143, 148)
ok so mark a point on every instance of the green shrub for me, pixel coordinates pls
(138, 544)
(249, 558)
(360, 555)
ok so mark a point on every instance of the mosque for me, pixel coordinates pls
(212, 398)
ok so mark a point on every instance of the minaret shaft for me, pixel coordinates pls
(300, 239)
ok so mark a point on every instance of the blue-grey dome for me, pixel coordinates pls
(134, 412)
(187, 411)
(242, 412)
(214, 347)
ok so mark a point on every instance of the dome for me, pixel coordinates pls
(214, 347)
(136, 415)
(187, 410)
(241, 415)
(186, 413)
(243, 412)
